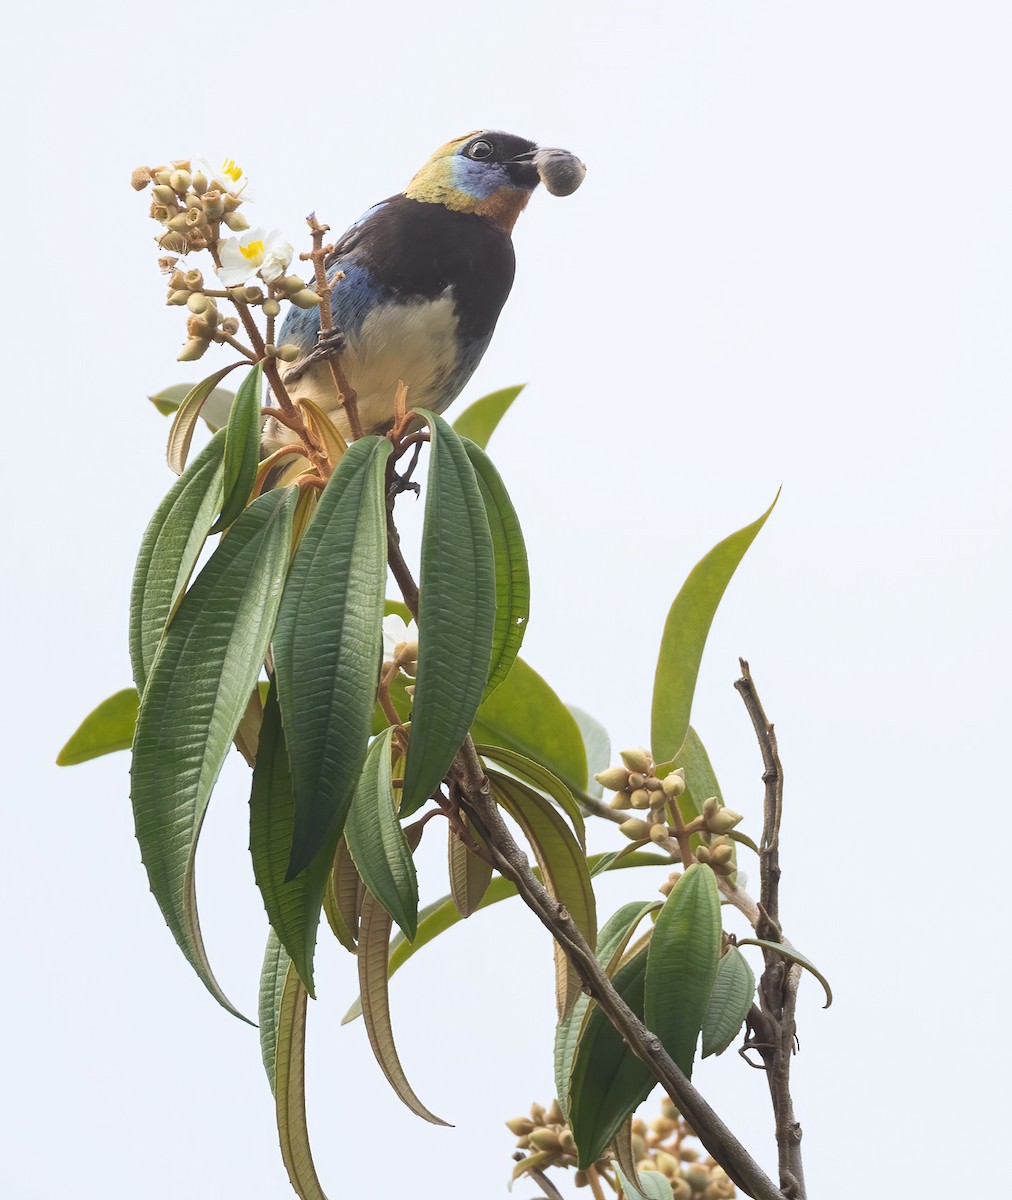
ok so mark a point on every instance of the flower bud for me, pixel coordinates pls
(163, 194)
(674, 783)
(289, 353)
(290, 284)
(721, 854)
(702, 854)
(636, 780)
(640, 798)
(680, 1190)
(271, 307)
(199, 182)
(180, 223)
(180, 181)
(520, 1126)
(235, 221)
(667, 1164)
(180, 297)
(213, 206)
(662, 1126)
(639, 1146)
(688, 1154)
(659, 833)
(196, 303)
(615, 779)
(580, 1179)
(723, 821)
(697, 1177)
(654, 785)
(711, 806)
(635, 830)
(305, 299)
(140, 177)
(538, 1113)
(723, 869)
(230, 325)
(620, 800)
(636, 760)
(252, 294)
(231, 201)
(194, 279)
(193, 350)
(545, 1139)
(567, 1141)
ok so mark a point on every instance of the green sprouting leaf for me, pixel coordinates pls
(288, 999)
(327, 646)
(525, 715)
(377, 843)
(272, 985)
(700, 784)
(597, 744)
(442, 914)
(215, 409)
(611, 945)
(794, 956)
(107, 728)
(608, 1082)
(479, 420)
(185, 420)
(650, 1185)
(242, 448)
(470, 875)
(684, 637)
(682, 963)
(512, 578)
(169, 551)
(374, 934)
(342, 897)
(196, 694)
(563, 867)
(293, 905)
(541, 778)
(730, 1002)
(456, 615)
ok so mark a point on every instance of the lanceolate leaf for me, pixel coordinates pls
(512, 579)
(470, 875)
(377, 843)
(684, 637)
(611, 945)
(525, 715)
(374, 933)
(215, 409)
(185, 420)
(342, 898)
(293, 905)
(794, 956)
(242, 448)
(456, 614)
(563, 867)
(172, 543)
(682, 963)
(541, 778)
(327, 646)
(479, 420)
(107, 728)
(196, 694)
(730, 1002)
(272, 985)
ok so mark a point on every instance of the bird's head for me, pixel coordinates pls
(492, 174)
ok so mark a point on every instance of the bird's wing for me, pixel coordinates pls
(351, 237)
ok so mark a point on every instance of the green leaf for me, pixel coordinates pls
(374, 934)
(563, 867)
(512, 578)
(327, 646)
(794, 956)
(293, 905)
(185, 420)
(169, 551)
(651, 1185)
(700, 784)
(107, 728)
(197, 691)
(242, 448)
(541, 778)
(684, 637)
(682, 963)
(730, 1002)
(272, 984)
(608, 1081)
(525, 715)
(479, 420)
(470, 875)
(377, 843)
(456, 615)
(215, 409)
(611, 945)
(597, 744)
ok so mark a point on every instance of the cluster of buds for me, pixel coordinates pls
(636, 785)
(545, 1132)
(193, 204)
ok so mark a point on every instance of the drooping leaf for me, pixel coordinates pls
(794, 956)
(215, 409)
(512, 578)
(650, 1185)
(242, 448)
(376, 840)
(107, 728)
(169, 551)
(479, 420)
(684, 637)
(342, 898)
(597, 744)
(682, 963)
(196, 693)
(525, 715)
(185, 420)
(456, 614)
(730, 1002)
(272, 984)
(293, 905)
(563, 868)
(327, 646)
(374, 934)
(611, 945)
(470, 875)
(542, 779)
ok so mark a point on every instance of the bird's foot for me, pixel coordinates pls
(330, 344)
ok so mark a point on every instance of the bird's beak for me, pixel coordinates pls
(560, 172)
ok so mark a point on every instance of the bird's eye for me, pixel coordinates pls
(480, 149)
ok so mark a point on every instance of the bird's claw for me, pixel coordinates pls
(330, 343)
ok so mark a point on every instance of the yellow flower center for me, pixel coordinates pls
(252, 250)
(230, 168)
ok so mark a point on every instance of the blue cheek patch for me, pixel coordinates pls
(478, 179)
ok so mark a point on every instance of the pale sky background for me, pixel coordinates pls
(790, 264)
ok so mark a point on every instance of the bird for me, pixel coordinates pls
(419, 281)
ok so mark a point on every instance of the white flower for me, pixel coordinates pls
(396, 634)
(276, 260)
(228, 177)
(241, 257)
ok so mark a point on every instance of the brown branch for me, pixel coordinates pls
(774, 1035)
